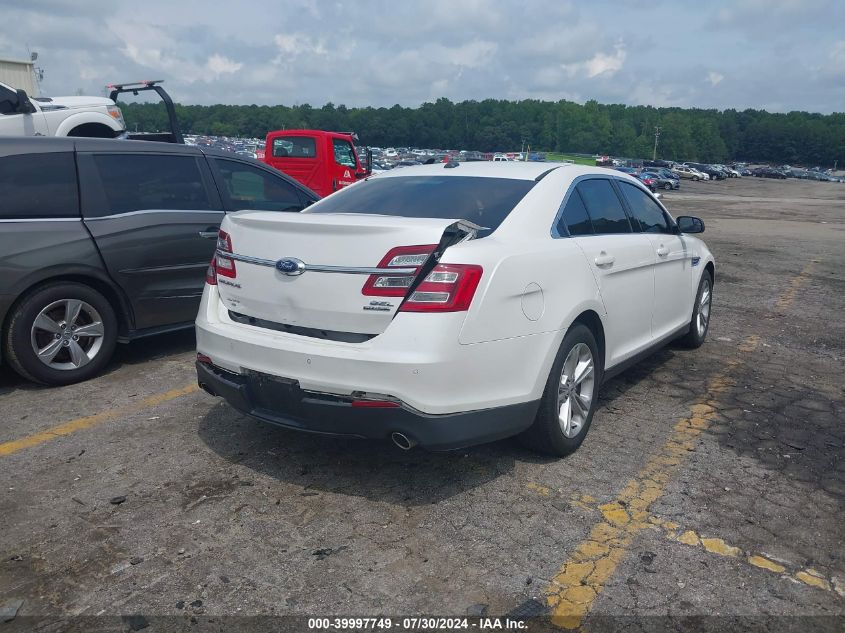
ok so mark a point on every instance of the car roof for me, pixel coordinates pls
(478, 169)
(27, 144)
(11, 145)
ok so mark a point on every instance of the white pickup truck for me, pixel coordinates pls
(21, 115)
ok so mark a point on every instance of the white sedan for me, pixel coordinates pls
(450, 305)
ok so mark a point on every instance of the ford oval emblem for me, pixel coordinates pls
(290, 266)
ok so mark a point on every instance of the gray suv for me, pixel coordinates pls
(106, 241)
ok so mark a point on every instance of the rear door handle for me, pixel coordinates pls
(209, 235)
(662, 251)
(604, 259)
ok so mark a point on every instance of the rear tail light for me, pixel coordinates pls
(396, 285)
(224, 266)
(211, 271)
(447, 288)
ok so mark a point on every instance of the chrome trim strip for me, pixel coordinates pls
(150, 211)
(317, 268)
(247, 259)
(350, 270)
(10, 220)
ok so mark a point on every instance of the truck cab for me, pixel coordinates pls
(322, 161)
(22, 115)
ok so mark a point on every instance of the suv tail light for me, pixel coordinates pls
(447, 288)
(224, 266)
(399, 257)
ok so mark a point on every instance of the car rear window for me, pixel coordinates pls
(41, 185)
(484, 201)
(294, 147)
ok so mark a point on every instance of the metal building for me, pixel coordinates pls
(19, 74)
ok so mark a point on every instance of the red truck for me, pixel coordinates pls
(322, 161)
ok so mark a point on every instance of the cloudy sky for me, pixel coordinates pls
(779, 55)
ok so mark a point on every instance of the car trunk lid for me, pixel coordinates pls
(309, 270)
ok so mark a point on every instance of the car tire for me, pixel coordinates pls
(695, 178)
(668, 186)
(41, 341)
(699, 323)
(569, 401)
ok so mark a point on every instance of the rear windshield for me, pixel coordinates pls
(484, 201)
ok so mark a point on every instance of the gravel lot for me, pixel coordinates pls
(712, 483)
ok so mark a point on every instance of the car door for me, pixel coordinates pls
(246, 186)
(621, 261)
(673, 277)
(13, 122)
(154, 217)
(343, 163)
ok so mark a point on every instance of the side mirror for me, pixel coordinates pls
(690, 224)
(24, 106)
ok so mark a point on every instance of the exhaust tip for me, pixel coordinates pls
(402, 441)
(207, 389)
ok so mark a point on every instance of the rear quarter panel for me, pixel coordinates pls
(35, 251)
(540, 286)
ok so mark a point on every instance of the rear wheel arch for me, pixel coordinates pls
(593, 322)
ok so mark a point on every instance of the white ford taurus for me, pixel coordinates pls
(449, 305)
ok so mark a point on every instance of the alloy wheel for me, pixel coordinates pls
(703, 316)
(576, 390)
(67, 334)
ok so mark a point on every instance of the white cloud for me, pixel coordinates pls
(714, 78)
(220, 65)
(601, 63)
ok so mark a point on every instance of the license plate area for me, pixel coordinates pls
(274, 393)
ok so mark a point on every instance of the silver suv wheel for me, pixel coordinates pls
(67, 334)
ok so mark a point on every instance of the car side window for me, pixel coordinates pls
(343, 153)
(137, 182)
(574, 220)
(39, 185)
(645, 210)
(294, 147)
(7, 100)
(604, 206)
(249, 187)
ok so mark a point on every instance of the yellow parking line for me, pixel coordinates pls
(571, 592)
(674, 532)
(72, 426)
(786, 299)
(579, 581)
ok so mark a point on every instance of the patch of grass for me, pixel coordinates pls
(555, 157)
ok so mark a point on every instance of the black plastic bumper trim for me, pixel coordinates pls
(281, 402)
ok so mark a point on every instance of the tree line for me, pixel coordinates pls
(711, 136)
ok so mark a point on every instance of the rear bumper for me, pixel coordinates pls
(418, 360)
(284, 403)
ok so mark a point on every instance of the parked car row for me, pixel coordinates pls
(107, 241)
(654, 177)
